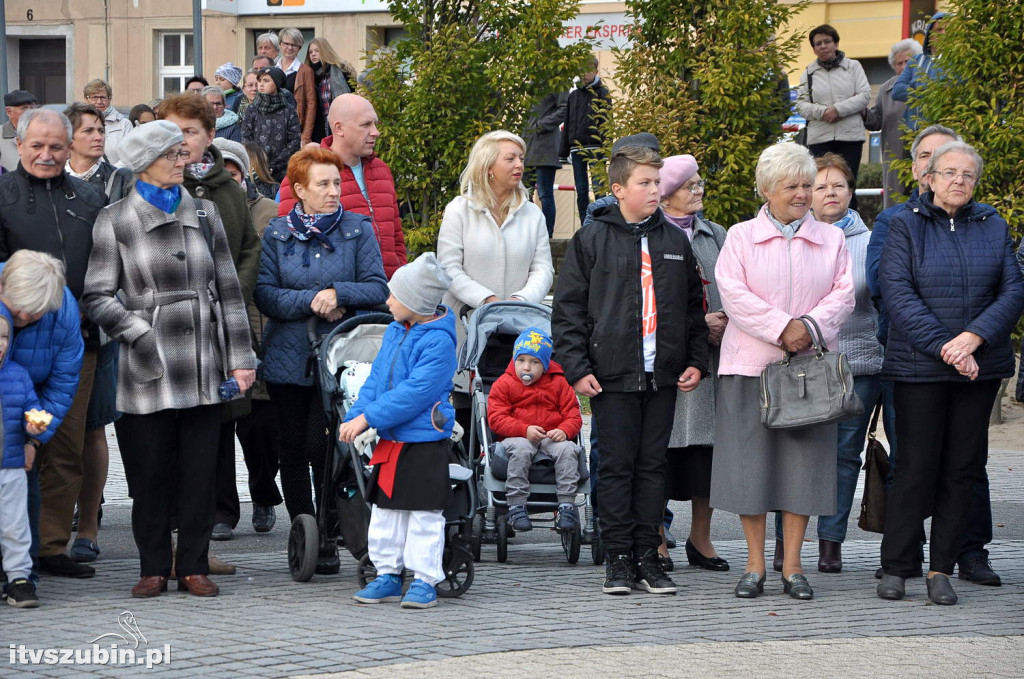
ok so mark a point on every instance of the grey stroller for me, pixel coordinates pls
(491, 332)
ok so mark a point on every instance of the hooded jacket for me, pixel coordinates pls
(918, 71)
(16, 397)
(941, 276)
(381, 207)
(51, 351)
(598, 308)
(550, 403)
(406, 396)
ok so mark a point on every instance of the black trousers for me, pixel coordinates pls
(942, 430)
(302, 425)
(635, 429)
(258, 434)
(170, 461)
(849, 150)
(227, 508)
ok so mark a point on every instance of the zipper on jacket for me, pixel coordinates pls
(56, 220)
(952, 227)
(640, 312)
(789, 267)
(398, 350)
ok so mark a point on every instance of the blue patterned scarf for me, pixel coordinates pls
(304, 227)
(163, 199)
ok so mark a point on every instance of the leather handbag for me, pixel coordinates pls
(803, 391)
(876, 469)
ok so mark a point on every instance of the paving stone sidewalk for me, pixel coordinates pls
(266, 625)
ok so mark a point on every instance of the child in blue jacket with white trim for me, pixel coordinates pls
(406, 400)
(17, 396)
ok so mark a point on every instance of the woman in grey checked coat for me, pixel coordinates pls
(162, 283)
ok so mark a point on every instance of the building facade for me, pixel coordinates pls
(145, 49)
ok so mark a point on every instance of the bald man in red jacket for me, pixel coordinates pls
(367, 186)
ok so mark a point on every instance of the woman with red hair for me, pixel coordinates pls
(318, 262)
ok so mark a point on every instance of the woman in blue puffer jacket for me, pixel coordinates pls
(954, 292)
(320, 262)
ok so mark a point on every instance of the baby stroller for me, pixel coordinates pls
(341, 363)
(491, 332)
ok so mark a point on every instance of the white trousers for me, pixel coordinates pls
(400, 538)
(15, 536)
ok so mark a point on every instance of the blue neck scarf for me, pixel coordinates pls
(846, 221)
(304, 227)
(163, 199)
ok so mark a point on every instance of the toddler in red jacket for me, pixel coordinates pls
(533, 408)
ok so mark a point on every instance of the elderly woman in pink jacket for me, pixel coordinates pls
(779, 266)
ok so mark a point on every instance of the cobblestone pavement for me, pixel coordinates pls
(538, 616)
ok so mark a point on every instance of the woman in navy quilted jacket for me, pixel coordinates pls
(321, 262)
(954, 292)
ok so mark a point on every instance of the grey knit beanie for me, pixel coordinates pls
(234, 152)
(421, 284)
(143, 144)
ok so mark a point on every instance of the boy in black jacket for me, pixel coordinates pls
(629, 330)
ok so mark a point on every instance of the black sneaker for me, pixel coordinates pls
(22, 594)
(978, 569)
(651, 577)
(618, 574)
(62, 565)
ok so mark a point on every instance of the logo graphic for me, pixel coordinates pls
(118, 649)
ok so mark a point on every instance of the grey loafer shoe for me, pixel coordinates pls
(892, 587)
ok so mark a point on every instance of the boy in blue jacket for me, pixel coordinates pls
(16, 397)
(406, 400)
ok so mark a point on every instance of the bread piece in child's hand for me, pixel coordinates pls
(38, 418)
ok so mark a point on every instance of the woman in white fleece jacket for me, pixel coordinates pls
(493, 241)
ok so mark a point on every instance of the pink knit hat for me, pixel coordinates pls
(675, 172)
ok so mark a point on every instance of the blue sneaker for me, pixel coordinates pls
(420, 595)
(382, 589)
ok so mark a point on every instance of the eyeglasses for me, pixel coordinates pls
(289, 44)
(823, 42)
(696, 187)
(173, 156)
(98, 97)
(217, 104)
(951, 175)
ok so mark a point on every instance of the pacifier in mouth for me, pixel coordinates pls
(526, 377)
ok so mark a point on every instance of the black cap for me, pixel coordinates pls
(640, 139)
(19, 98)
(276, 74)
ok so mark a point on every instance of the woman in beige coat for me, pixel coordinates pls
(161, 282)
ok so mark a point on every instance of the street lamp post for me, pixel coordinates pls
(197, 35)
(3, 53)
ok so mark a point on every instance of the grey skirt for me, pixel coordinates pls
(758, 470)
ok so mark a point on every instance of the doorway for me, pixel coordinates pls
(42, 68)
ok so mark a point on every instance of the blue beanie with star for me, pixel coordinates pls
(534, 342)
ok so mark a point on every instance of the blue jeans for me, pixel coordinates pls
(852, 437)
(584, 180)
(545, 179)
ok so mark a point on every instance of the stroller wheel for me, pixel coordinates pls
(476, 537)
(458, 572)
(303, 548)
(597, 549)
(502, 541)
(571, 545)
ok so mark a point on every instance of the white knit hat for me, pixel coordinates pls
(421, 284)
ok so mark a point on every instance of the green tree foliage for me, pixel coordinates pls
(466, 68)
(980, 94)
(706, 77)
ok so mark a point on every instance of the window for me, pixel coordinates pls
(175, 62)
